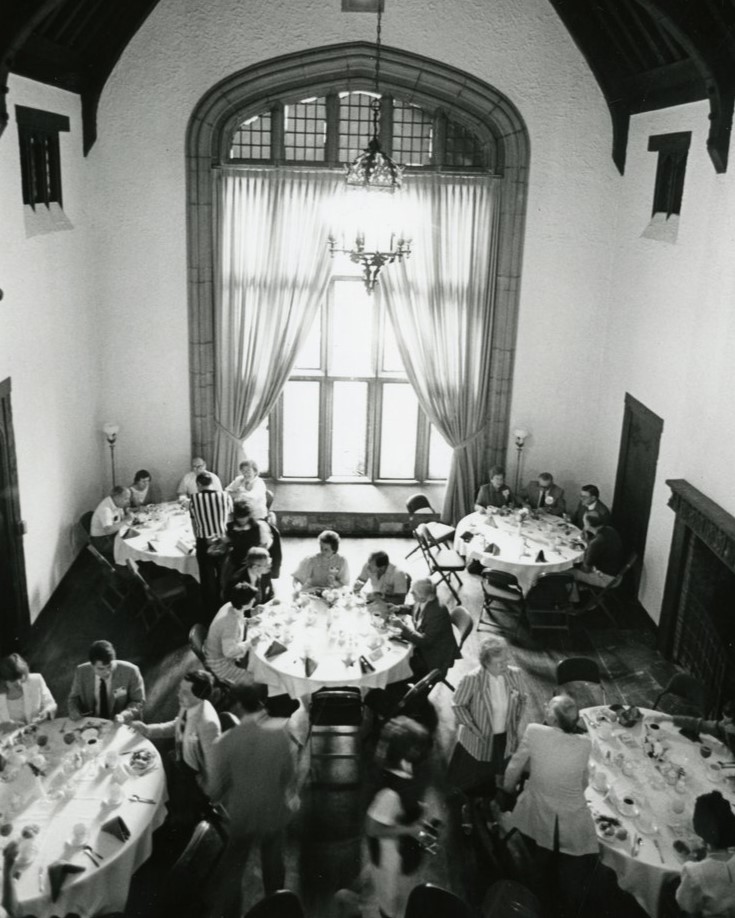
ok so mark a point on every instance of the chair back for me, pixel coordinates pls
(281, 904)
(417, 502)
(132, 565)
(85, 521)
(462, 621)
(102, 561)
(618, 578)
(337, 707)
(418, 692)
(188, 876)
(504, 580)
(508, 897)
(577, 669)
(429, 900)
(689, 689)
(197, 637)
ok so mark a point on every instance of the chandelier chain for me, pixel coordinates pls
(378, 43)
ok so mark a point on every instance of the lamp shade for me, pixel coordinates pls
(520, 435)
(111, 430)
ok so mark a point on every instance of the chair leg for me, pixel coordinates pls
(448, 684)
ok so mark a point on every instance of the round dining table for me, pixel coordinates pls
(82, 799)
(314, 642)
(646, 779)
(160, 533)
(520, 543)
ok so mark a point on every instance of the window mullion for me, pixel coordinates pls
(325, 433)
(422, 446)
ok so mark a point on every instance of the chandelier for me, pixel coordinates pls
(373, 171)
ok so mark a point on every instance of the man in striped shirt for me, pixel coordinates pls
(210, 510)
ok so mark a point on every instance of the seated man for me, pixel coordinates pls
(106, 687)
(143, 491)
(250, 485)
(387, 582)
(604, 555)
(188, 484)
(430, 630)
(107, 520)
(543, 494)
(495, 494)
(589, 502)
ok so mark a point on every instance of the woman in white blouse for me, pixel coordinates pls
(327, 570)
(226, 648)
(249, 484)
(708, 887)
(488, 705)
(24, 696)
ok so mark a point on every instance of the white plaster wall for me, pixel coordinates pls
(671, 335)
(48, 337)
(185, 48)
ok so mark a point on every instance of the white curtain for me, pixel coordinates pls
(272, 270)
(440, 301)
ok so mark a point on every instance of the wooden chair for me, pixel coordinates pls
(502, 593)
(445, 563)
(689, 690)
(160, 597)
(549, 603)
(429, 900)
(600, 596)
(441, 533)
(117, 587)
(579, 669)
(334, 739)
(462, 625)
(281, 904)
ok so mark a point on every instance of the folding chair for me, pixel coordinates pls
(85, 521)
(462, 625)
(415, 703)
(439, 531)
(160, 597)
(502, 593)
(427, 899)
(601, 595)
(509, 897)
(689, 690)
(117, 587)
(334, 739)
(549, 603)
(444, 562)
(184, 891)
(579, 669)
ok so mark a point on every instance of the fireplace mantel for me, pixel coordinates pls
(708, 521)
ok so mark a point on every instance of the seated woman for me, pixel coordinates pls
(250, 485)
(226, 647)
(708, 887)
(255, 571)
(495, 494)
(326, 570)
(24, 696)
(387, 582)
(143, 491)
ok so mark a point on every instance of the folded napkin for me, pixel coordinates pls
(152, 547)
(274, 650)
(492, 549)
(541, 557)
(489, 521)
(117, 827)
(309, 666)
(130, 534)
(58, 872)
(184, 546)
(467, 536)
(365, 665)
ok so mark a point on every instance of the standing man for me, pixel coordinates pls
(604, 555)
(188, 484)
(106, 687)
(107, 520)
(253, 778)
(210, 509)
(543, 494)
(589, 502)
(430, 630)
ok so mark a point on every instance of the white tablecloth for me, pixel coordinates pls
(329, 636)
(618, 754)
(164, 537)
(98, 890)
(519, 544)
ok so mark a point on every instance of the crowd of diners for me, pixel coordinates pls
(247, 774)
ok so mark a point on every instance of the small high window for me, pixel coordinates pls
(40, 158)
(672, 152)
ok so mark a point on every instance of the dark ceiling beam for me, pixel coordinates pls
(18, 19)
(664, 87)
(598, 52)
(49, 62)
(710, 50)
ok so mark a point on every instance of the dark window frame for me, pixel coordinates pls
(40, 155)
(672, 150)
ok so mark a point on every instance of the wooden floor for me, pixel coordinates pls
(325, 845)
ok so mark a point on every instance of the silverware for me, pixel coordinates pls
(136, 799)
(91, 857)
(636, 846)
(95, 853)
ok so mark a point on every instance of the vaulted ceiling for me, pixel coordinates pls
(645, 54)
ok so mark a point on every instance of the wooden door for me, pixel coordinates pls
(639, 443)
(14, 613)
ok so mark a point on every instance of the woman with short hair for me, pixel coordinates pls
(226, 647)
(143, 491)
(326, 570)
(255, 571)
(24, 696)
(708, 887)
(250, 485)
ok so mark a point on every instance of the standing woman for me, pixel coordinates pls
(488, 705)
(24, 696)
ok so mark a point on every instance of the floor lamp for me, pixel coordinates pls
(111, 431)
(520, 437)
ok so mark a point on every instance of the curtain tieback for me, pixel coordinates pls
(228, 433)
(471, 439)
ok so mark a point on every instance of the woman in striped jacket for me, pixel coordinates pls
(488, 705)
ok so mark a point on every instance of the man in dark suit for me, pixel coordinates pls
(430, 630)
(543, 494)
(604, 556)
(589, 502)
(253, 777)
(106, 687)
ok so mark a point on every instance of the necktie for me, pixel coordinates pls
(180, 736)
(104, 703)
(541, 497)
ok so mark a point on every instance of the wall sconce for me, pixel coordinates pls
(111, 431)
(520, 435)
